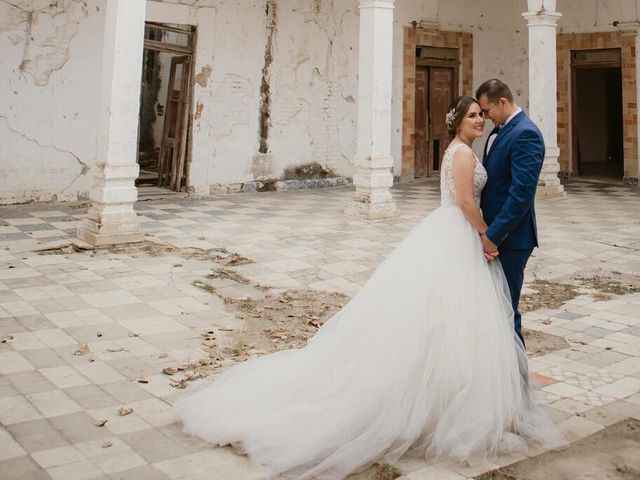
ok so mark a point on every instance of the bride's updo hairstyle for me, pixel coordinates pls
(458, 108)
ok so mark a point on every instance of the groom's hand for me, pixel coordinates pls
(490, 249)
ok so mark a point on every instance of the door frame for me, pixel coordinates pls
(174, 167)
(455, 65)
(419, 35)
(598, 40)
(575, 166)
(187, 119)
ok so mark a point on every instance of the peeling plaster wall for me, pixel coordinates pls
(315, 85)
(50, 58)
(228, 63)
(312, 82)
(584, 16)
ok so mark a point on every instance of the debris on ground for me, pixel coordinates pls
(151, 247)
(610, 283)
(273, 320)
(386, 472)
(227, 274)
(549, 294)
(599, 284)
(124, 411)
(379, 471)
(609, 454)
(541, 343)
(83, 350)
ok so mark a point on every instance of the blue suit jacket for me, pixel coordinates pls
(513, 166)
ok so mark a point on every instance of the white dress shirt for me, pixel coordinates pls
(493, 137)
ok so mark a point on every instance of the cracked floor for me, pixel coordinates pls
(139, 313)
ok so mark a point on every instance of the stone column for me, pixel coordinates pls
(111, 219)
(543, 103)
(373, 177)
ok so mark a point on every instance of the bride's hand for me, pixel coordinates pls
(490, 257)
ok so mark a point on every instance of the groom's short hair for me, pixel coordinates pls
(494, 89)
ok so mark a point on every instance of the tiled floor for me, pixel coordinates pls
(139, 314)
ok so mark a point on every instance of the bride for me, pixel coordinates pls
(424, 359)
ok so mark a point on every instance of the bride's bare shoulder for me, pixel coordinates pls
(463, 154)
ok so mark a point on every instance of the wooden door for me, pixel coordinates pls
(171, 164)
(421, 131)
(441, 93)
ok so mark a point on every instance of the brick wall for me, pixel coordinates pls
(590, 41)
(428, 37)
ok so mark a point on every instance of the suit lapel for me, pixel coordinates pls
(504, 131)
(495, 131)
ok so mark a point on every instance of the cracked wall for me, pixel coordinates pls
(312, 80)
(49, 73)
(315, 84)
(310, 114)
(50, 62)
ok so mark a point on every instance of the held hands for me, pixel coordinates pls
(490, 249)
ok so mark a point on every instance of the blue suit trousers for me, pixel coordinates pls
(513, 263)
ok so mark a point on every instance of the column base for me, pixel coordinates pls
(549, 185)
(373, 180)
(106, 230)
(366, 210)
(551, 191)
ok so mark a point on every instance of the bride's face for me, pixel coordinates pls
(472, 125)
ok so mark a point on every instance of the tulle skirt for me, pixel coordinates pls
(423, 359)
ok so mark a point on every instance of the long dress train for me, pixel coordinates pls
(423, 359)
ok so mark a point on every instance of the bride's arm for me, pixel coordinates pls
(464, 163)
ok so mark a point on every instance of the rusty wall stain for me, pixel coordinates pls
(202, 78)
(199, 108)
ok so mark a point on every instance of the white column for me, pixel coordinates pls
(543, 104)
(373, 177)
(111, 218)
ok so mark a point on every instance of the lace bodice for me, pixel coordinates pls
(447, 187)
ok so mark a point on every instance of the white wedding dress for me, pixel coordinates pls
(424, 359)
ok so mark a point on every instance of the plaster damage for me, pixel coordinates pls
(202, 78)
(46, 136)
(315, 81)
(45, 29)
(265, 84)
(273, 93)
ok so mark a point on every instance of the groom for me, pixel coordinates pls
(513, 160)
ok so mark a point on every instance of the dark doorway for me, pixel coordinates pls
(598, 149)
(165, 106)
(436, 86)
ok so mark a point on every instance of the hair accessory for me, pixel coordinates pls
(450, 117)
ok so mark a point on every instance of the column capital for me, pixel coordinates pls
(376, 4)
(541, 6)
(430, 25)
(542, 18)
(629, 28)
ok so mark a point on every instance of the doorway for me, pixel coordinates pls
(436, 86)
(598, 148)
(165, 100)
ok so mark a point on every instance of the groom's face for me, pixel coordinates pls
(495, 111)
